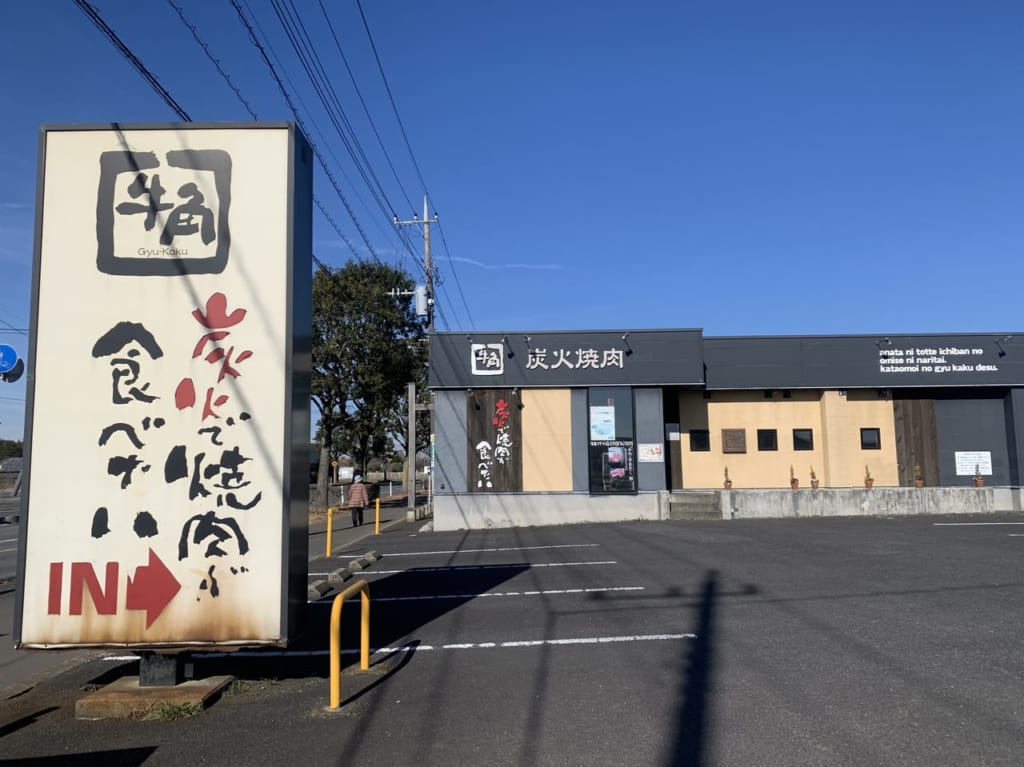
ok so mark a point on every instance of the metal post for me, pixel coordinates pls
(161, 670)
(330, 529)
(377, 530)
(410, 480)
(335, 636)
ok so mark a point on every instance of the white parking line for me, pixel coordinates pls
(477, 551)
(524, 565)
(9, 540)
(547, 592)
(972, 524)
(511, 644)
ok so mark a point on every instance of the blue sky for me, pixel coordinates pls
(744, 167)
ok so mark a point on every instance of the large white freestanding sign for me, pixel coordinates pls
(166, 491)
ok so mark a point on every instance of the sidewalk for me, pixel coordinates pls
(344, 537)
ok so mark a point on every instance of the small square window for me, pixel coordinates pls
(768, 394)
(767, 439)
(870, 439)
(787, 394)
(803, 439)
(700, 440)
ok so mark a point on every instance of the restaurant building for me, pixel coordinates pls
(553, 427)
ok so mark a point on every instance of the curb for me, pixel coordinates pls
(335, 578)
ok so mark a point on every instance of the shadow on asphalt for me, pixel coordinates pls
(390, 622)
(124, 757)
(692, 721)
(25, 721)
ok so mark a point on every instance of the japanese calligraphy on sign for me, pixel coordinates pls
(166, 405)
(494, 441)
(543, 359)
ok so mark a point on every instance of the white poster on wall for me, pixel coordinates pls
(970, 461)
(650, 452)
(602, 423)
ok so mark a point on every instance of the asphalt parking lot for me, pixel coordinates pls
(788, 642)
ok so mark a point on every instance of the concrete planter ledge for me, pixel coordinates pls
(861, 502)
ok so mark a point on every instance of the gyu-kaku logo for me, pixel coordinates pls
(163, 215)
(487, 359)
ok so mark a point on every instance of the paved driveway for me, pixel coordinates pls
(788, 642)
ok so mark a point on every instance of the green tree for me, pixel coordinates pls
(10, 448)
(365, 350)
(397, 418)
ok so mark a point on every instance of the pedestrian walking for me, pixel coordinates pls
(358, 499)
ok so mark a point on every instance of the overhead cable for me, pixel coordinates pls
(125, 51)
(298, 118)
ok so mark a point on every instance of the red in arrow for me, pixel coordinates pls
(152, 588)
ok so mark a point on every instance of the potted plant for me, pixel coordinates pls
(979, 481)
(727, 484)
(794, 483)
(814, 480)
(918, 477)
(869, 481)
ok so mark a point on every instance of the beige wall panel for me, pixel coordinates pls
(844, 416)
(547, 440)
(836, 421)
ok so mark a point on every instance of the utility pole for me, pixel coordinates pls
(428, 269)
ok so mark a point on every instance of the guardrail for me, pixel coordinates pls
(364, 636)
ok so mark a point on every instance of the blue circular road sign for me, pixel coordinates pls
(8, 358)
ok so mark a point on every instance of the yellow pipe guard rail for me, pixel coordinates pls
(330, 529)
(364, 636)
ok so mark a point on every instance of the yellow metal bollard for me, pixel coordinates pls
(377, 529)
(364, 636)
(330, 529)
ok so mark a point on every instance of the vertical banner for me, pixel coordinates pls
(495, 441)
(168, 387)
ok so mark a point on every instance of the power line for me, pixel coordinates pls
(391, 98)
(291, 105)
(329, 145)
(101, 25)
(458, 283)
(212, 58)
(366, 109)
(295, 30)
(408, 146)
(12, 329)
(252, 112)
(126, 52)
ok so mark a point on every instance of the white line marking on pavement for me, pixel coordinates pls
(597, 640)
(972, 524)
(9, 540)
(477, 551)
(508, 594)
(512, 644)
(524, 565)
(4, 551)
